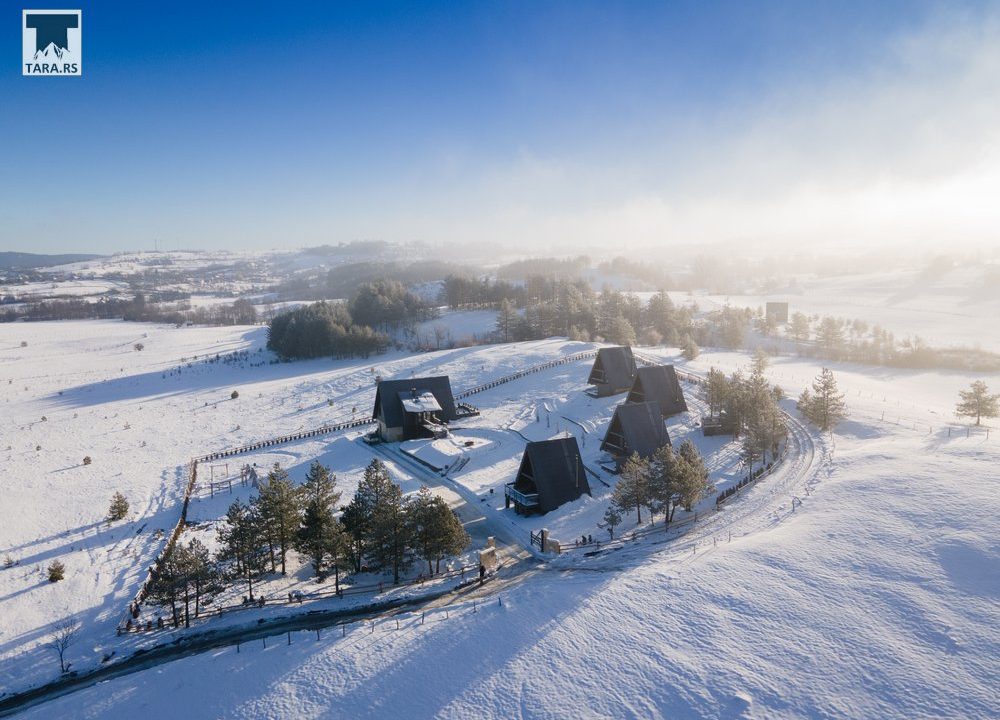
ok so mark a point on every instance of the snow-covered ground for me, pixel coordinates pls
(959, 308)
(877, 596)
(63, 288)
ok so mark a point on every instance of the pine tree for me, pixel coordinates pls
(435, 530)
(280, 511)
(56, 571)
(977, 402)
(830, 337)
(376, 520)
(799, 328)
(716, 391)
(825, 406)
(241, 543)
(693, 483)
(663, 481)
(632, 489)
(118, 508)
(320, 535)
(166, 586)
(202, 573)
(612, 519)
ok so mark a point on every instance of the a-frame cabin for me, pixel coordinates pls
(613, 371)
(550, 475)
(635, 428)
(658, 383)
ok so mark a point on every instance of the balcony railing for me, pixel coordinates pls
(523, 499)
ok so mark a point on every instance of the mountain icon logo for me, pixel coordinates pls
(51, 32)
(52, 43)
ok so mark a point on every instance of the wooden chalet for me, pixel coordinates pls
(414, 408)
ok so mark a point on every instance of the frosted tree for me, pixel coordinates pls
(977, 402)
(824, 406)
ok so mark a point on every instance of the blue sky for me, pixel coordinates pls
(277, 125)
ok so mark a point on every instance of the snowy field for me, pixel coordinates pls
(82, 389)
(877, 596)
(63, 288)
(958, 308)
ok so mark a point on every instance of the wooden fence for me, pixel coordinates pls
(527, 371)
(467, 573)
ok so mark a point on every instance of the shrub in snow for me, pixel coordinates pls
(139, 347)
(86, 460)
(24, 343)
(234, 395)
(119, 507)
(57, 571)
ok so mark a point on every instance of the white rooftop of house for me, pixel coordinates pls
(419, 402)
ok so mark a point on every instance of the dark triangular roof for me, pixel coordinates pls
(557, 471)
(658, 383)
(389, 404)
(636, 428)
(614, 366)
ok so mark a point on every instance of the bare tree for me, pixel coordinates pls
(62, 636)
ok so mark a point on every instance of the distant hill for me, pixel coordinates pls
(33, 260)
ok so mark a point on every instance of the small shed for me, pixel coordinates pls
(776, 311)
(550, 475)
(659, 384)
(613, 371)
(635, 428)
(413, 408)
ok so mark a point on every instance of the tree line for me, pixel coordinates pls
(138, 309)
(379, 530)
(359, 327)
(746, 405)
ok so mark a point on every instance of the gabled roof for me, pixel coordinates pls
(557, 471)
(636, 428)
(616, 365)
(658, 383)
(389, 404)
